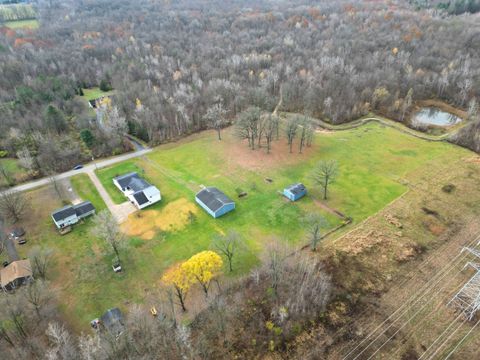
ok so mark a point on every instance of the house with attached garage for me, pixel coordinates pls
(295, 191)
(215, 202)
(137, 190)
(72, 214)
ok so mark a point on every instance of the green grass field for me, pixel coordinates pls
(87, 191)
(12, 167)
(374, 162)
(23, 24)
(95, 93)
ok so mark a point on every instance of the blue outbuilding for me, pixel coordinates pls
(215, 202)
(295, 191)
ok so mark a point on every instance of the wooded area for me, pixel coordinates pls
(170, 63)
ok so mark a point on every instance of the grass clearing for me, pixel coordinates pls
(87, 191)
(23, 24)
(375, 162)
(13, 168)
(95, 93)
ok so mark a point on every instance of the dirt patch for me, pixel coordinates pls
(239, 154)
(174, 216)
(324, 131)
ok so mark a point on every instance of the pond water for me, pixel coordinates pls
(435, 116)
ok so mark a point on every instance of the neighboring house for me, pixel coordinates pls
(15, 274)
(137, 190)
(295, 191)
(72, 214)
(112, 321)
(215, 202)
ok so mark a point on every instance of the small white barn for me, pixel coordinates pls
(140, 192)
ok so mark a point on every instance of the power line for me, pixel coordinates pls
(462, 340)
(430, 285)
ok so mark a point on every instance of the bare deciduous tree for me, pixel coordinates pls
(216, 117)
(107, 229)
(38, 294)
(228, 245)
(314, 223)
(291, 130)
(324, 174)
(40, 259)
(13, 205)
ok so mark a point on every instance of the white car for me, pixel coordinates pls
(117, 267)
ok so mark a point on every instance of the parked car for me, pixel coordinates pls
(17, 232)
(78, 167)
(22, 241)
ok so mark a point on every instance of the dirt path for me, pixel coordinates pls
(329, 209)
(386, 122)
(119, 211)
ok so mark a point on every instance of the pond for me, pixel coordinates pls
(434, 116)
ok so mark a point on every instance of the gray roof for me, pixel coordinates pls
(213, 198)
(63, 213)
(83, 208)
(112, 320)
(69, 210)
(296, 188)
(132, 181)
(140, 197)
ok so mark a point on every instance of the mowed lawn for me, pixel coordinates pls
(374, 162)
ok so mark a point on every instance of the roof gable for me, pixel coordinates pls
(213, 198)
(132, 182)
(296, 188)
(63, 213)
(15, 270)
(83, 208)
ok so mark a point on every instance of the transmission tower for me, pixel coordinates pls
(467, 299)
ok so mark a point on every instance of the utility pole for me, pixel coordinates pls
(467, 299)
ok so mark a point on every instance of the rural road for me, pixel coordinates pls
(89, 168)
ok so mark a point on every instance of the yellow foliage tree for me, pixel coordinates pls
(138, 104)
(203, 268)
(179, 279)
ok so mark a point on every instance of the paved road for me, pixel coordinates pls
(85, 170)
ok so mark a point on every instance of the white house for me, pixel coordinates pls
(137, 190)
(71, 214)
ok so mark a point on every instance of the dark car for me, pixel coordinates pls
(78, 167)
(17, 233)
(21, 241)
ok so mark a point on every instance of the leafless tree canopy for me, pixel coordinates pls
(172, 62)
(13, 205)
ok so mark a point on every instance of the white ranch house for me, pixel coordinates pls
(140, 192)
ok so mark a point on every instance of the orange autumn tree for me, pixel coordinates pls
(203, 268)
(177, 277)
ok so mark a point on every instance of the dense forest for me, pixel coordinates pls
(170, 62)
